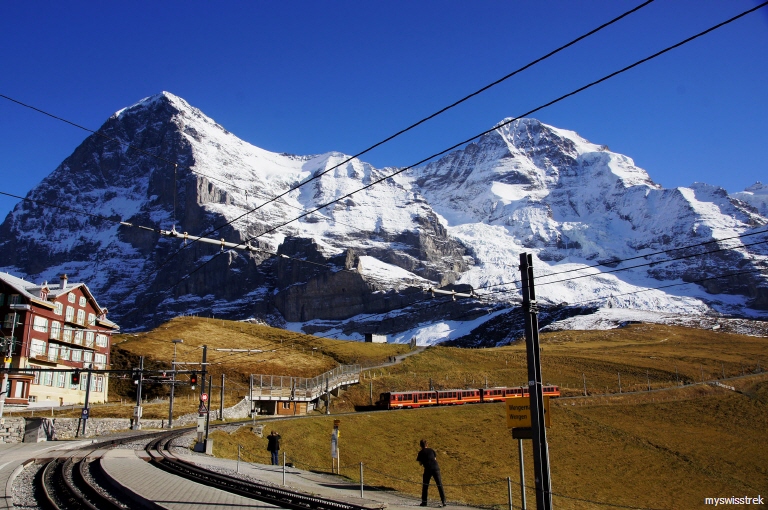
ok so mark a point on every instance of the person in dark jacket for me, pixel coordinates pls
(428, 458)
(273, 445)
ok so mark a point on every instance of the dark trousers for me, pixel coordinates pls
(275, 457)
(428, 473)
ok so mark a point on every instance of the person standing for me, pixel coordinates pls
(428, 458)
(273, 445)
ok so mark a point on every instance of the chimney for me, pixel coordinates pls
(63, 279)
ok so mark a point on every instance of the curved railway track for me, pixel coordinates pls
(158, 449)
(78, 481)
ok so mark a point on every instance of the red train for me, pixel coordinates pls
(413, 399)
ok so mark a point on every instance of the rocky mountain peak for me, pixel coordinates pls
(463, 219)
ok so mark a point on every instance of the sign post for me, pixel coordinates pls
(335, 455)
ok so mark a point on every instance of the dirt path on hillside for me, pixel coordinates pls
(399, 358)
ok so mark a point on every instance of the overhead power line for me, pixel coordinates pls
(402, 131)
(652, 263)
(486, 132)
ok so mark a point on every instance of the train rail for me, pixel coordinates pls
(158, 450)
(77, 480)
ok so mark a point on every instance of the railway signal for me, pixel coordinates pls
(193, 380)
(76, 378)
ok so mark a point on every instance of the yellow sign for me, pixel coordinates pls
(518, 411)
(7, 360)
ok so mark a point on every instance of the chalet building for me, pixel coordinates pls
(58, 326)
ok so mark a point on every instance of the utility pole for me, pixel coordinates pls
(175, 341)
(250, 397)
(203, 409)
(221, 403)
(137, 409)
(208, 416)
(7, 355)
(535, 387)
(86, 411)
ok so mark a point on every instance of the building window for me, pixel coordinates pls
(36, 380)
(81, 317)
(58, 309)
(102, 340)
(48, 378)
(100, 360)
(82, 301)
(64, 353)
(71, 297)
(59, 380)
(87, 356)
(91, 319)
(14, 299)
(286, 405)
(78, 337)
(37, 347)
(40, 324)
(89, 339)
(8, 323)
(67, 335)
(83, 383)
(32, 399)
(77, 354)
(99, 384)
(70, 314)
(53, 352)
(55, 330)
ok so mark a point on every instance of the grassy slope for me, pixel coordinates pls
(661, 449)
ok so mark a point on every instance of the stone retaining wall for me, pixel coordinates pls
(66, 428)
(12, 430)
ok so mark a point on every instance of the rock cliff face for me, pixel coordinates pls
(331, 256)
(126, 172)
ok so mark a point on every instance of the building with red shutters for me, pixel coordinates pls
(52, 326)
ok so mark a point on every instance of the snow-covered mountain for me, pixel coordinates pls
(361, 264)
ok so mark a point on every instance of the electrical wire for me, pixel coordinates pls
(585, 87)
(500, 125)
(317, 176)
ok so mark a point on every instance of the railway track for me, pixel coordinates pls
(158, 449)
(78, 481)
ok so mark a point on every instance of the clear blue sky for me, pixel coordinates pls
(309, 77)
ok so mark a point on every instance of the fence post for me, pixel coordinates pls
(509, 491)
(361, 479)
(283, 468)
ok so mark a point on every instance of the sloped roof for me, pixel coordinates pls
(31, 291)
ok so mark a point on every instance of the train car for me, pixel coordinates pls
(503, 393)
(458, 397)
(406, 399)
(415, 399)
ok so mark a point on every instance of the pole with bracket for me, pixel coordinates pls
(535, 386)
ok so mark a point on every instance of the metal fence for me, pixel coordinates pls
(277, 387)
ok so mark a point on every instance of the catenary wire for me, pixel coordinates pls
(653, 263)
(105, 218)
(502, 124)
(402, 131)
(468, 140)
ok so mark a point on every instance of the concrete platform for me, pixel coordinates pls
(324, 485)
(167, 490)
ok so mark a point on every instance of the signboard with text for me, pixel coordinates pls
(518, 412)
